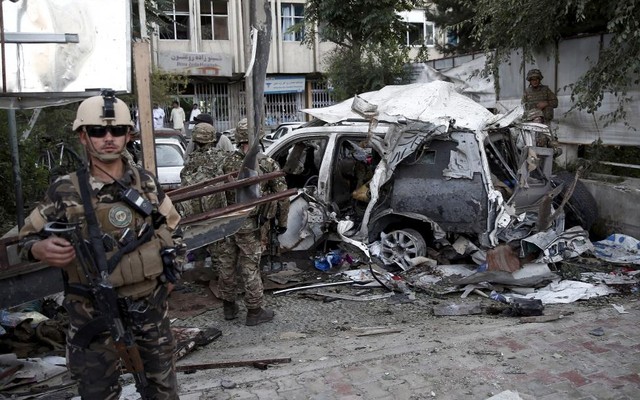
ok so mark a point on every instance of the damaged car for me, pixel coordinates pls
(410, 171)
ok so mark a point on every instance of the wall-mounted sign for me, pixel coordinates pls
(202, 64)
(101, 58)
(284, 84)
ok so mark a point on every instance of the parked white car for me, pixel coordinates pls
(169, 162)
(280, 131)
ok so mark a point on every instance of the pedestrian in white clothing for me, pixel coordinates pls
(195, 111)
(158, 117)
(177, 117)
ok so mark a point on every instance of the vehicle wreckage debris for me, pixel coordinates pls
(319, 285)
(260, 364)
(340, 296)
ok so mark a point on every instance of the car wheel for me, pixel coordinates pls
(581, 209)
(400, 246)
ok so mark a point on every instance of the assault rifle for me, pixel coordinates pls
(105, 300)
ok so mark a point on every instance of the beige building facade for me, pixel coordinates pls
(206, 42)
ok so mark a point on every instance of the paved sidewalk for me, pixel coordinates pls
(464, 357)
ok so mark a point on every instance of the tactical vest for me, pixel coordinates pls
(136, 274)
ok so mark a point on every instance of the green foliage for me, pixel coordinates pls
(499, 26)
(154, 12)
(454, 17)
(351, 71)
(370, 37)
(597, 152)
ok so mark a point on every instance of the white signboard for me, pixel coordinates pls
(203, 64)
(284, 84)
(101, 59)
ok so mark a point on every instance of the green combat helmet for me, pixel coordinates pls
(204, 133)
(534, 73)
(242, 131)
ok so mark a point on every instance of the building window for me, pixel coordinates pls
(178, 26)
(420, 32)
(214, 20)
(292, 13)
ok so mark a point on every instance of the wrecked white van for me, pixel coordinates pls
(416, 167)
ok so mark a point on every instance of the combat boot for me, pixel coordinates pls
(230, 309)
(257, 316)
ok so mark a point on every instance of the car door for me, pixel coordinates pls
(304, 161)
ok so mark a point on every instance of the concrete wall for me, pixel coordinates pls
(617, 205)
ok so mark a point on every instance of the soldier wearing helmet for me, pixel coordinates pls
(538, 96)
(220, 140)
(134, 220)
(244, 249)
(204, 162)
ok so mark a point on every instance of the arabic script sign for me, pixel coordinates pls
(284, 84)
(203, 64)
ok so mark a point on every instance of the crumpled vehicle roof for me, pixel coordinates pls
(435, 102)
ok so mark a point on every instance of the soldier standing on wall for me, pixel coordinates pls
(539, 96)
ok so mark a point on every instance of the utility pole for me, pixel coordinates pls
(257, 22)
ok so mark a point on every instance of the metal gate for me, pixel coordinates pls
(321, 94)
(214, 99)
(282, 107)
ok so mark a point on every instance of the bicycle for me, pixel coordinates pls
(60, 160)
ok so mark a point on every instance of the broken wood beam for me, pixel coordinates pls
(260, 364)
(384, 331)
(542, 318)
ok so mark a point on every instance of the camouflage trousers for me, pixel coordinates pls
(96, 367)
(240, 253)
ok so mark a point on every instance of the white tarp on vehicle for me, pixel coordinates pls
(435, 102)
(467, 77)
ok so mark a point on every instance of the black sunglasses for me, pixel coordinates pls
(98, 131)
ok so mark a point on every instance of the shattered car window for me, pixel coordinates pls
(301, 161)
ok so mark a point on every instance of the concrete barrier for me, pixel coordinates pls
(618, 204)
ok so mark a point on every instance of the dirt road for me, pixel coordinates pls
(420, 356)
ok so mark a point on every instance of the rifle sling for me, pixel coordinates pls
(128, 248)
(95, 235)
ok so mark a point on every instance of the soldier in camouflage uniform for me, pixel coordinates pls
(539, 96)
(244, 249)
(139, 276)
(219, 140)
(204, 163)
